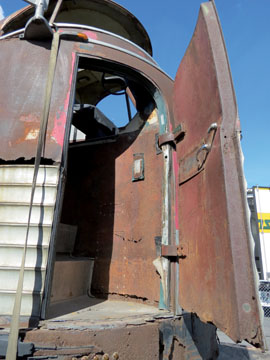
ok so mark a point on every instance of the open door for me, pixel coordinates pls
(217, 272)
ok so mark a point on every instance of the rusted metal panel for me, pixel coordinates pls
(121, 341)
(76, 280)
(22, 96)
(117, 218)
(216, 275)
(179, 338)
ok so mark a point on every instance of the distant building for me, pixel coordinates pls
(259, 204)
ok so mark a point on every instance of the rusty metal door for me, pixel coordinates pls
(217, 272)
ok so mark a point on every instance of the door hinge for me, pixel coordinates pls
(172, 251)
(171, 137)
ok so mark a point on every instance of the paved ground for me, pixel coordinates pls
(244, 351)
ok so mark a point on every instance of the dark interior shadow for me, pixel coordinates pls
(202, 336)
(89, 204)
(237, 352)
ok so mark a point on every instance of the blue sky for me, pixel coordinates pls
(246, 29)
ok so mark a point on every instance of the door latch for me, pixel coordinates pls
(194, 162)
(206, 147)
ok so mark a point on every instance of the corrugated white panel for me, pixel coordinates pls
(15, 234)
(33, 279)
(23, 174)
(11, 256)
(15, 190)
(19, 212)
(30, 304)
(45, 195)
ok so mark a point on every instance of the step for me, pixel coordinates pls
(72, 278)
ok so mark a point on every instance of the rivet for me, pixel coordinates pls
(105, 357)
(115, 356)
(96, 357)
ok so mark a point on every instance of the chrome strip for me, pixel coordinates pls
(86, 27)
(16, 32)
(102, 43)
(153, 62)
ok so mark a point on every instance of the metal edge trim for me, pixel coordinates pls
(97, 42)
(93, 28)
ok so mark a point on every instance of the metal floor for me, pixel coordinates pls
(90, 313)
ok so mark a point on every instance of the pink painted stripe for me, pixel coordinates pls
(176, 212)
(61, 117)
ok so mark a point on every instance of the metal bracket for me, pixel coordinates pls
(138, 167)
(172, 251)
(171, 137)
(194, 162)
(37, 27)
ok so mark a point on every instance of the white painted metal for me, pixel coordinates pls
(9, 193)
(10, 256)
(15, 190)
(30, 303)
(33, 279)
(12, 233)
(19, 211)
(23, 174)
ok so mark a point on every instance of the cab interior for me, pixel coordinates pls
(111, 208)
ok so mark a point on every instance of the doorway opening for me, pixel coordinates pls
(112, 202)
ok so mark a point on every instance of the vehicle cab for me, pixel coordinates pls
(134, 208)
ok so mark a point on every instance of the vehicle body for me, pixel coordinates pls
(259, 204)
(152, 214)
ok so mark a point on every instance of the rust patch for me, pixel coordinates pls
(217, 270)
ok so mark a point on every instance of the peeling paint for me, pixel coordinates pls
(32, 135)
(61, 116)
(158, 263)
(91, 34)
(153, 118)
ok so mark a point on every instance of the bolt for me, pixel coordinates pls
(105, 357)
(115, 356)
